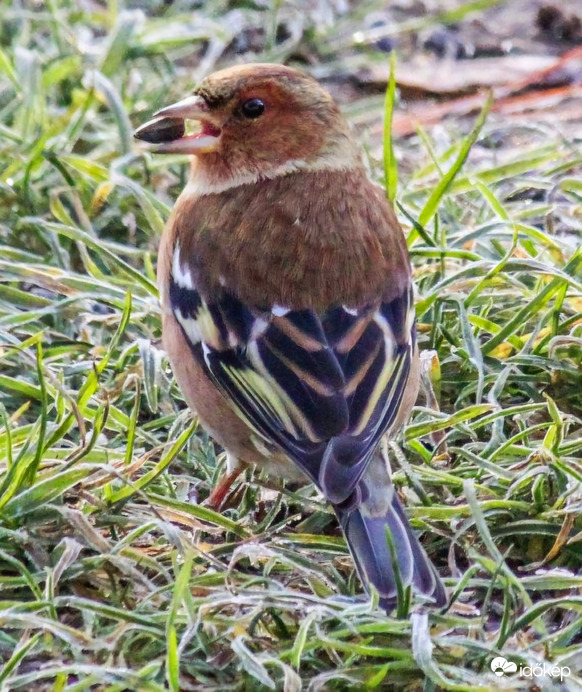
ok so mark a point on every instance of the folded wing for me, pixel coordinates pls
(325, 388)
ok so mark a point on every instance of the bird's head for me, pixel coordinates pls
(252, 121)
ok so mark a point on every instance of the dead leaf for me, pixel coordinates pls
(561, 538)
(524, 95)
(466, 76)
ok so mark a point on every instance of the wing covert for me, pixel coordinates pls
(324, 388)
(274, 366)
(375, 347)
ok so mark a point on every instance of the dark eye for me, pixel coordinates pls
(253, 108)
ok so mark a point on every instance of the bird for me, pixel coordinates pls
(287, 305)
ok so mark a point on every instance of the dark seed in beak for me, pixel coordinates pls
(161, 130)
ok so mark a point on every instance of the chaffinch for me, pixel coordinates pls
(288, 313)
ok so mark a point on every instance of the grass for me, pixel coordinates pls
(112, 574)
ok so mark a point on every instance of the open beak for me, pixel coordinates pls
(167, 129)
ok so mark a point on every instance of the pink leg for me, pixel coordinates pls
(220, 490)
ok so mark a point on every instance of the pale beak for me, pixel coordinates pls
(167, 129)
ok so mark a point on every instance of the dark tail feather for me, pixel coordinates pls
(365, 524)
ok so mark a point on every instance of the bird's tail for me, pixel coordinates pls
(375, 510)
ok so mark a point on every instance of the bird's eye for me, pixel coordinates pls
(253, 108)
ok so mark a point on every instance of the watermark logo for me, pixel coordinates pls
(501, 666)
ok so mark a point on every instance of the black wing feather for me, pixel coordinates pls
(323, 388)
